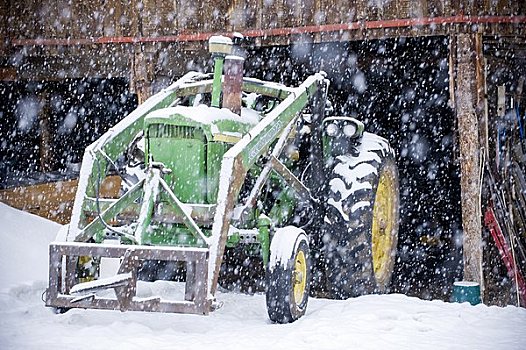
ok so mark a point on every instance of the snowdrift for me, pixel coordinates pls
(23, 249)
(370, 322)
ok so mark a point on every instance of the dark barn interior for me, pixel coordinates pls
(50, 123)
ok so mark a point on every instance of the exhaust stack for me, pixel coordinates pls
(219, 46)
(232, 83)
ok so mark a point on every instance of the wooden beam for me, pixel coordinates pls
(440, 25)
(7, 73)
(468, 136)
(142, 73)
(53, 200)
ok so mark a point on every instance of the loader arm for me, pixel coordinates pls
(238, 160)
(115, 141)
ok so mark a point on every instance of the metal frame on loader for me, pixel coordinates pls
(85, 235)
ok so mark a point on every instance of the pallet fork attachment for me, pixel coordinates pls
(63, 293)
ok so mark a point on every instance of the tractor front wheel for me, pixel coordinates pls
(288, 275)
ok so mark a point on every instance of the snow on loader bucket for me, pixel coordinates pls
(218, 165)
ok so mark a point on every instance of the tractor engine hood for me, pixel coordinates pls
(218, 124)
(191, 142)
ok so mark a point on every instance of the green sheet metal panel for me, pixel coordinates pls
(182, 150)
(215, 152)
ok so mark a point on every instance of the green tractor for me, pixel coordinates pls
(219, 166)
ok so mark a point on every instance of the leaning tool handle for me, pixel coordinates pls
(506, 250)
(506, 254)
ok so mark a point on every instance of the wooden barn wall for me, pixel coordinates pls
(3, 26)
(115, 18)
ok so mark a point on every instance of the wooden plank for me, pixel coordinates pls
(482, 103)
(446, 6)
(435, 8)
(54, 200)
(454, 6)
(76, 21)
(186, 20)
(391, 10)
(81, 29)
(195, 16)
(142, 73)
(167, 17)
(504, 7)
(404, 9)
(215, 15)
(63, 20)
(48, 15)
(515, 7)
(148, 17)
(305, 11)
(6, 73)
(118, 17)
(18, 13)
(269, 14)
(127, 22)
(109, 20)
(339, 11)
(118, 280)
(278, 14)
(89, 18)
(205, 16)
(24, 19)
(291, 13)
(236, 15)
(371, 11)
(4, 17)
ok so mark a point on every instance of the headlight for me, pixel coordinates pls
(349, 130)
(332, 129)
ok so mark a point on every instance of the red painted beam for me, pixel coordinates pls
(263, 33)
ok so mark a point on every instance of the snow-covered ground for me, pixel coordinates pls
(369, 322)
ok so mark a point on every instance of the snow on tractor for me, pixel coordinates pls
(219, 164)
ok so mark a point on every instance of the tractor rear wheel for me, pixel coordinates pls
(288, 275)
(361, 221)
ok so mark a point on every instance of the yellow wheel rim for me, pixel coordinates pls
(299, 276)
(84, 269)
(384, 217)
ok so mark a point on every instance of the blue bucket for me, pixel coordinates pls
(466, 291)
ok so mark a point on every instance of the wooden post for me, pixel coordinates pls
(482, 112)
(482, 105)
(141, 73)
(46, 157)
(466, 93)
